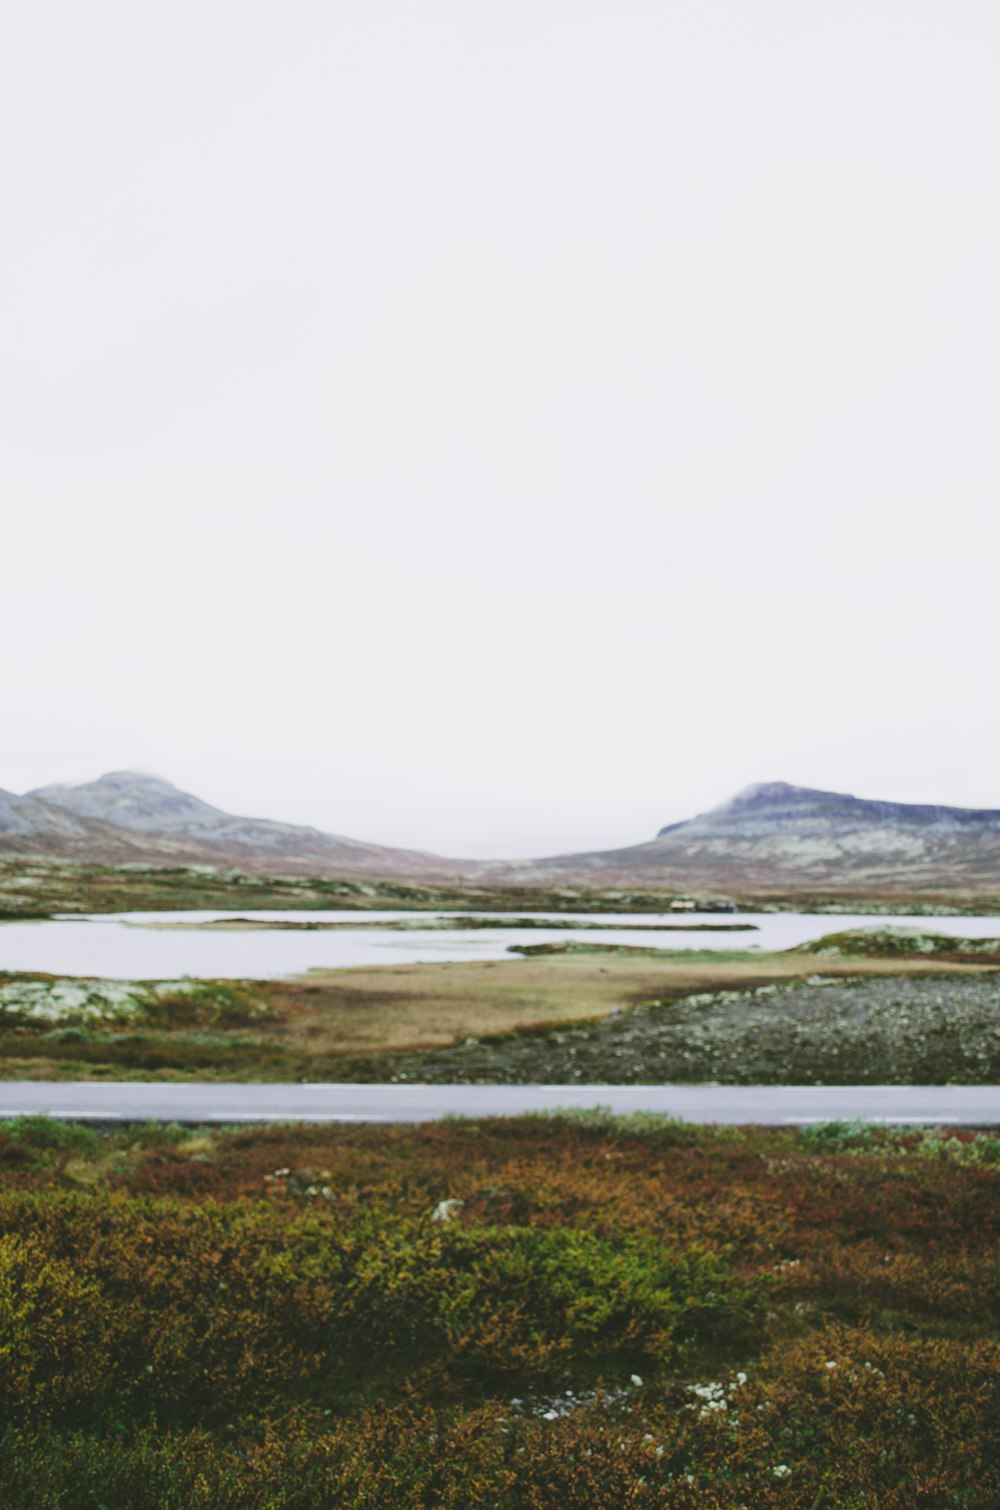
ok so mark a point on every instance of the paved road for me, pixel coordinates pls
(774, 1105)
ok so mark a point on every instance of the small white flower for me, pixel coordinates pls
(780, 1471)
(636, 1379)
(830, 1364)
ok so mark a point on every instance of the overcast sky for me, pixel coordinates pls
(501, 428)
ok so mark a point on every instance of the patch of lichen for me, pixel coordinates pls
(903, 943)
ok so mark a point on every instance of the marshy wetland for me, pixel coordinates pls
(917, 1007)
(272, 944)
(233, 977)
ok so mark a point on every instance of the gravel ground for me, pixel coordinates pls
(931, 1030)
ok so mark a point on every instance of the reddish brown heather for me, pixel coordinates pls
(272, 1318)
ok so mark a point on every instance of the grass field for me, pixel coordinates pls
(523, 1314)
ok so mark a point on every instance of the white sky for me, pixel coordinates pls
(506, 428)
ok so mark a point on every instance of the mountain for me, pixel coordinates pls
(131, 816)
(24, 820)
(133, 800)
(770, 839)
(776, 838)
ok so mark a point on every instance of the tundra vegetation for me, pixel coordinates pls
(39, 888)
(563, 1312)
(841, 1013)
(36, 887)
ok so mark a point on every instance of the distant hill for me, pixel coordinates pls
(779, 838)
(769, 839)
(130, 816)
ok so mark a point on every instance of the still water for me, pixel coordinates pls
(127, 946)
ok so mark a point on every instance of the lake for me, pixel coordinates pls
(131, 946)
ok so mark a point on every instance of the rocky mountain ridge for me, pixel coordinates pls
(774, 837)
(129, 816)
(770, 839)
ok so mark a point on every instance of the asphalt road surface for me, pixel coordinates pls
(132, 1101)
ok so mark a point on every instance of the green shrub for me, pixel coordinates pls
(522, 1300)
(846, 1137)
(57, 1328)
(48, 1133)
(208, 1003)
(202, 1309)
(841, 1419)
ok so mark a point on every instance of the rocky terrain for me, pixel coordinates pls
(893, 1012)
(921, 1030)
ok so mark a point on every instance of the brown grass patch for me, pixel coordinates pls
(430, 1005)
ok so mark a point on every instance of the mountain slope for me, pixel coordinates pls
(775, 837)
(128, 815)
(131, 799)
(770, 839)
(30, 825)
